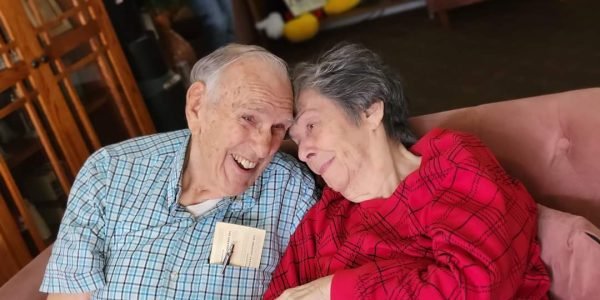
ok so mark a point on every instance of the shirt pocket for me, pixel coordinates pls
(231, 282)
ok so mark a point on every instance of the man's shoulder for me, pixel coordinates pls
(154, 145)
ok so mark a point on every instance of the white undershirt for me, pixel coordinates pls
(202, 207)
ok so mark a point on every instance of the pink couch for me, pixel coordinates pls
(551, 143)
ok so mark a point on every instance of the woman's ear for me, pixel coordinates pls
(374, 115)
(196, 95)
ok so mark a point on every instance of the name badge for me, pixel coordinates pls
(237, 245)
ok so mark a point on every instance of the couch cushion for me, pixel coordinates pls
(549, 142)
(570, 253)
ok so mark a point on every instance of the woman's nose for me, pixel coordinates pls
(304, 151)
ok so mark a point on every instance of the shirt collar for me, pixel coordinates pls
(176, 172)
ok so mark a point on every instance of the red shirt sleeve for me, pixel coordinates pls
(298, 264)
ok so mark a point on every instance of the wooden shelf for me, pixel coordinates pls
(93, 104)
(20, 150)
(369, 11)
(93, 95)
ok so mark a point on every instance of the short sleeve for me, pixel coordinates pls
(77, 261)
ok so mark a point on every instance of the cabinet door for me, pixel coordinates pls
(33, 174)
(13, 250)
(86, 61)
(25, 69)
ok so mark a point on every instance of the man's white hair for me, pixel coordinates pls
(209, 68)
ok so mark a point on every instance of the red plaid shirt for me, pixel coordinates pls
(458, 227)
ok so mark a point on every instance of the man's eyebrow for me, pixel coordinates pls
(259, 111)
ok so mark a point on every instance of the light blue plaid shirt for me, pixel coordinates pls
(125, 236)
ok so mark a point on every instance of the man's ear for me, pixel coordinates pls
(374, 115)
(196, 95)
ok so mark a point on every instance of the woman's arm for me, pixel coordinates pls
(481, 223)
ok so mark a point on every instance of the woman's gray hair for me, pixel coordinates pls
(355, 78)
(209, 67)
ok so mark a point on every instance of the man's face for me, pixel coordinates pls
(241, 123)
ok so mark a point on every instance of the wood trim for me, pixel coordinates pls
(5, 47)
(65, 71)
(122, 70)
(62, 44)
(11, 233)
(21, 205)
(11, 75)
(75, 101)
(35, 14)
(12, 107)
(121, 104)
(82, 115)
(47, 144)
(52, 101)
(56, 22)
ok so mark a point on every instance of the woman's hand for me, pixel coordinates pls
(316, 289)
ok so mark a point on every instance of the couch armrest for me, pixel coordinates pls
(26, 283)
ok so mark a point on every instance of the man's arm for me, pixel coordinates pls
(77, 261)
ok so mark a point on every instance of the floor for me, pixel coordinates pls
(495, 50)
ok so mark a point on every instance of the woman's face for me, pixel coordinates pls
(330, 143)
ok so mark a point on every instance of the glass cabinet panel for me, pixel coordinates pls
(33, 178)
(77, 51)
(31, 170)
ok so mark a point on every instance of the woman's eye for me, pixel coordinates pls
(248, 118)
(310, 126)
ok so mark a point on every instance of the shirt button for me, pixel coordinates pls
(173, 280)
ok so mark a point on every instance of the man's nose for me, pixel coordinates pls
(262, 143)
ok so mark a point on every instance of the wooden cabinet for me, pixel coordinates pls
(65, 90)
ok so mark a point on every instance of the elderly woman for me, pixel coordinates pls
(436, 218)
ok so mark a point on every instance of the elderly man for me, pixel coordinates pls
(158, 217)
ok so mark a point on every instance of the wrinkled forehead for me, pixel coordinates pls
(254, 69)
(257, 65)
(257, 99)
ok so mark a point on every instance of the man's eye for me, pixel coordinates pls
(248, 118)
(310, 126)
